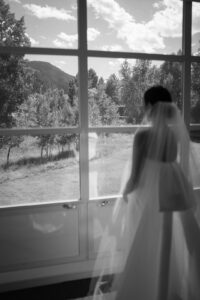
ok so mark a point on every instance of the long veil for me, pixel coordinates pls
(152, 240)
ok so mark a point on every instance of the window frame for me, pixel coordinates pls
(82, 53)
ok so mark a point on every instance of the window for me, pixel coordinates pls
(126, 26)
(195, 28)
(71, 90)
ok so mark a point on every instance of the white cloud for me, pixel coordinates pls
(16, 1)
(167, 22)
(115, 64)
(68, 40)
(158, 4)
(45, 12)
(112, 48)
(92, 34)
(141, 36)
(74, 6)
(71, 38)
(32, 40)
(60, 62)
(136, 35)
(121, 60)
(196, 18)
(112, 63)
(43, 37)
(65, 40)
(60, 44)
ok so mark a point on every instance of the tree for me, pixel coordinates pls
(133, 85)
(92, 78)
(12, 93)
(51, 109)
(112, 88)
(125, 71)
(195, 113)
(12, 73)
(125, 88)
(195, 94)
(93, 108)
(33, 82)
(170, 77)
(101, 81)
(196, 81)
(141, 79)
(12, 31)
(72, 91)
(107, 107)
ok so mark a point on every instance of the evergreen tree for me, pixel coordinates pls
(112, 88)
(133, 85)
(195, 95)
(170, 77)
(92, 78)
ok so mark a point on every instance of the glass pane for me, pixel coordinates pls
(108, 156)
(195, 160)
(38, 91)
(195, 28)
(126, 26)
(39, 169)
(116, 88)
(52, 24)
(195, 93)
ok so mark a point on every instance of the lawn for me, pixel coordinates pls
(58, 179)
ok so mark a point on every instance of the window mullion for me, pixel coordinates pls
(186, 79)
(37, 51)
(83, 99)
(135, 55)
(38, 131)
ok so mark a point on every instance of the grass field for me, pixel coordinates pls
(58, 179)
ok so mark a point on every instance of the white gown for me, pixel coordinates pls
(159, 233)
(141, 276)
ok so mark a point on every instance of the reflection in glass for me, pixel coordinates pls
(116, 88)
(195, 93)
(119, 25)
(52, 25)
(109, 154)
(195, 159)
(39, 169)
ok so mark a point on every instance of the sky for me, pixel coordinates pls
(147, 26)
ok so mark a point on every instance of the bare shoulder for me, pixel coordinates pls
(142, 136)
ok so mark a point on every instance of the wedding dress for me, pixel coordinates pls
(157, 224)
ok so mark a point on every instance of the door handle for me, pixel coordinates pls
(104, 203)
(69, 206)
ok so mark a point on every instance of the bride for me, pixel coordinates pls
(157, 216)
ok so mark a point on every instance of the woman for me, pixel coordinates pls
(159, 232)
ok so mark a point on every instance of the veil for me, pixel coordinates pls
(150, 248)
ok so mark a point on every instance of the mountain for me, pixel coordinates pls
(51, 75)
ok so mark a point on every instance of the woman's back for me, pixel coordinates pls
(149, 144)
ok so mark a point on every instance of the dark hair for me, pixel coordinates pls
(157, 94)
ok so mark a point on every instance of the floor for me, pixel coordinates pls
(74, 290)
(61, 291)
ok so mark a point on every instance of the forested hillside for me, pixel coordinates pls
(52, 76)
